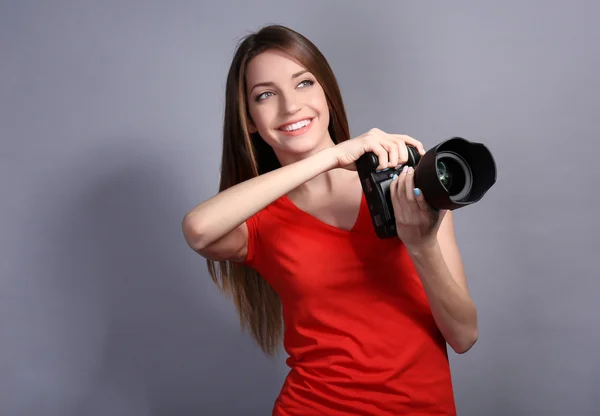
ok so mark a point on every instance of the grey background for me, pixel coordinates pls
(110, 124)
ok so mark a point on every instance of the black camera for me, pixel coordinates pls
(453, 174)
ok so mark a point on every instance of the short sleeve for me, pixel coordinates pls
(253, 225)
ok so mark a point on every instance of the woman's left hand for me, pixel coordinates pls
(417, 222)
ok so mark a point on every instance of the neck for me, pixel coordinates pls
(323, 183)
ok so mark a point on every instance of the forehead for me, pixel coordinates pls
(272, 65)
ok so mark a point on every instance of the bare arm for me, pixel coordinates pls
(441, 270)
(216, 227)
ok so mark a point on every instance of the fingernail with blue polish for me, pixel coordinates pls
(417, 191)
(394, 177)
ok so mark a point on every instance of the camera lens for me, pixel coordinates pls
(444, 175)
(454, 174)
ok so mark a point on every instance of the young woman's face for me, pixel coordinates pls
(287, 106)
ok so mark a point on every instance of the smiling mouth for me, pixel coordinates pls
(296, 126)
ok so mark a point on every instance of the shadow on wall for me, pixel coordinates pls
(124, 319)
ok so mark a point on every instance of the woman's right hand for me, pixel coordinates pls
(390, 149)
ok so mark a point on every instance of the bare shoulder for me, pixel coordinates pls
(450, 250)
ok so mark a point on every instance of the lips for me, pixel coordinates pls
(300, 123)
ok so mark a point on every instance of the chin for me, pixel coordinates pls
(304, 145)
(314, 138)
(301, 145)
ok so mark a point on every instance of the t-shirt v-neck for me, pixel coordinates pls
(363, 219)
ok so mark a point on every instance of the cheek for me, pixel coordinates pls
(321, 106)
(262, 117)
(319, 102)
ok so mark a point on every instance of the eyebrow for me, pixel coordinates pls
(269, 84)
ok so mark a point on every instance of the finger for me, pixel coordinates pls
(403, 153)
(420, 199)
(382, 155)
(396, 193)
(402, 149)
(401, 184)
(392, 149)
(412, 141)
(409, 185)
(378, 146)
(416, 143)
(389, 144)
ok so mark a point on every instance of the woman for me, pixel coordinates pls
(365, 321)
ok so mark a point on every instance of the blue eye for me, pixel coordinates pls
(306, 82)
(262, 96)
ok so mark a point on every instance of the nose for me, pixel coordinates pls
(290, 103)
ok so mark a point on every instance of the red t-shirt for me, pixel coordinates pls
(358, 328)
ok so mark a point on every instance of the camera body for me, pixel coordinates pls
(376, 187)
(451, 175)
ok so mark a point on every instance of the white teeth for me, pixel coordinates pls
(296, 126)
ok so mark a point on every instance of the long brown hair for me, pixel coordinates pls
(247, 155)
